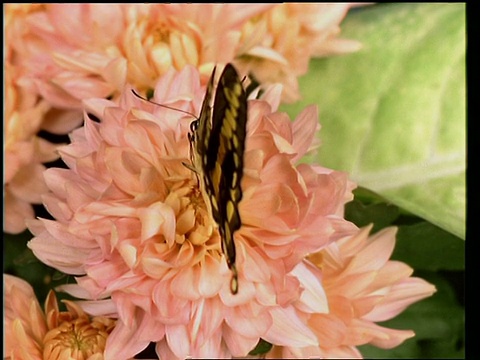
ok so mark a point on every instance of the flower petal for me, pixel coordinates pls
(289, 330)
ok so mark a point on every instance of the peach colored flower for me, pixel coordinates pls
(361, 287)
(277, 46)
(31, 334)
(24, 153)
(25, 115)
(132, 224)
(64, 53)
(77, 51)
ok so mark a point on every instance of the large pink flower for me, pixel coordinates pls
(361, 287)
(31, 334)
(64, 53)
(77, 51)
(132, 224)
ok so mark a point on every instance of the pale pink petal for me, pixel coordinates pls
(395, 338)
(79, 61)
(333, 14)
(16, 213)
(57, 255)
(363, 331)
(337, 46)
(164, 351)
(47, 152)
(242, 323)
(213, 345)
(55, 95)
(183, 285)
(92, 289)
(115, 73)
(158, 218)
(342, 352)
(238, 345)
(304, 130)
(256, 268)
(272, 96)
(207, 318)
(129, 254)
(392, 271)
(400, 297)
(57, 209)
(105, 21)
(14, 164)
(287, 330)
(116, 275)
(329, 329)
(76, 291)
(50, 251)
(244, 296)
(28, 184)
(313, 298)
(178, 341)
(60, 231)
(267, 53)
(125, 342)
(95, 308)
(16, 158)
(209, 279)
(82, 90)
(376, 254)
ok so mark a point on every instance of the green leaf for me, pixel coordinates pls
(426, 246)
(393, 114)
(381, 215)
(21, 262)
(262, 347)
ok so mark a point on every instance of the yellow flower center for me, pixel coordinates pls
(160, 32)
(77, 339)
(194, 222)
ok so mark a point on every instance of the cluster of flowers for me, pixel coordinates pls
(129, 221)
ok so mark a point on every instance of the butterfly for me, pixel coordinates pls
(217, 141)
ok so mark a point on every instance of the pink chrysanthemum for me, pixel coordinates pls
(77, 51)
(362, 287)
(25, 115)
(31, 334)
(65, 53)
(24, 153)
(277, 46)
(131, 222)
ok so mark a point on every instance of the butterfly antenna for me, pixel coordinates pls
(162, 105)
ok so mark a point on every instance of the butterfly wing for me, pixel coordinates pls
(221, 149)
(202, 126)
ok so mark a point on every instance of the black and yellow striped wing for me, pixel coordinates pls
(218, 144)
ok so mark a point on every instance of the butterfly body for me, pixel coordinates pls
(218, 144)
